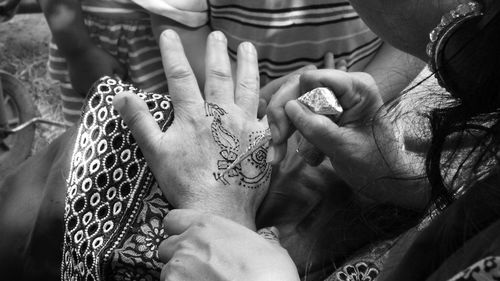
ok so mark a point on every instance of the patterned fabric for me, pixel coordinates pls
(360, 271)
(487, 269)
(366, 265)
(114, 208)
(114, 9)
(131, 42)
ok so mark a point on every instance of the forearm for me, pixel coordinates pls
(65, 21)
(393, 70)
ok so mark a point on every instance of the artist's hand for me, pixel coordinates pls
(211, 248)
(361, 145)
(91, 64)
(207, 133)
(271, 88)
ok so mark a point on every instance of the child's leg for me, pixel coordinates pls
(72, 102)
(131, 42)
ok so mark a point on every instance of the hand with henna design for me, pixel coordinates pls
(207, 134)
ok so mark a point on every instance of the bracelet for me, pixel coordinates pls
(448, 25)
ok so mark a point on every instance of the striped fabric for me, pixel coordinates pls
(289, 34)
(130, 41)
(122, 9)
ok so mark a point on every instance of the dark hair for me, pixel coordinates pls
(462, 162)
(465, 138)
(466, 132)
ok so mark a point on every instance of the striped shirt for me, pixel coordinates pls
(113, 9)
(289, 34)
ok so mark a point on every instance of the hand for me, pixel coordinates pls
(94, 63)
(275, 107)
(271, 88)
(362, 146)
(207, 247)
(207, 132)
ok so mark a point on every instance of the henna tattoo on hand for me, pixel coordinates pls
(229, 144)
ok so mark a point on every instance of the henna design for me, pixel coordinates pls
(230, 147)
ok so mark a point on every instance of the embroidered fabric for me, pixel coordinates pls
(114, 208)
(484, 270)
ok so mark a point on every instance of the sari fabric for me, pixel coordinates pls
(114, 208)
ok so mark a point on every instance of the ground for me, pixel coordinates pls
(23, 53)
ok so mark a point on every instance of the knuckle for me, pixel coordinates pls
(219, 74)
(135, 118)
(250, 84)
(171, 215)
(172, 267)
(302, 123)
(178, 72)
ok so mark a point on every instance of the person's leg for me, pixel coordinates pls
(31, 213)
(72, 101)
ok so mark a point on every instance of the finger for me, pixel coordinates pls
(136, 115)
(341, 65)
(272, 87)
(219, 81)
(182, 84)
(341, 83)
(247, 79)
(276, 153)
(179, 220)
(168, 247)
(329, 60)
(319, 130)
(311, 155)
(261, 111)
(278, 121)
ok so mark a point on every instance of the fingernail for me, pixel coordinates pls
(247, 46)
(270, 154)
(275, 132)
(169, 33)
(218, 35)
(275, 230)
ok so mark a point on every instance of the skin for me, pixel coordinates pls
(405, 24)
(86, 61)
(413, 21)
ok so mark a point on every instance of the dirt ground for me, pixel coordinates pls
(23, 53)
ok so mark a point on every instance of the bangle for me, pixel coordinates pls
(448, 25)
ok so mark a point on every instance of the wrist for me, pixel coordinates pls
(237, 213)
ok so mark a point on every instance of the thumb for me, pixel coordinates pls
(317, 129)
(139, 120)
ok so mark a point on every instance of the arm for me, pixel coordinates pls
(393, 70)
(65, 21)
(86, 62)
